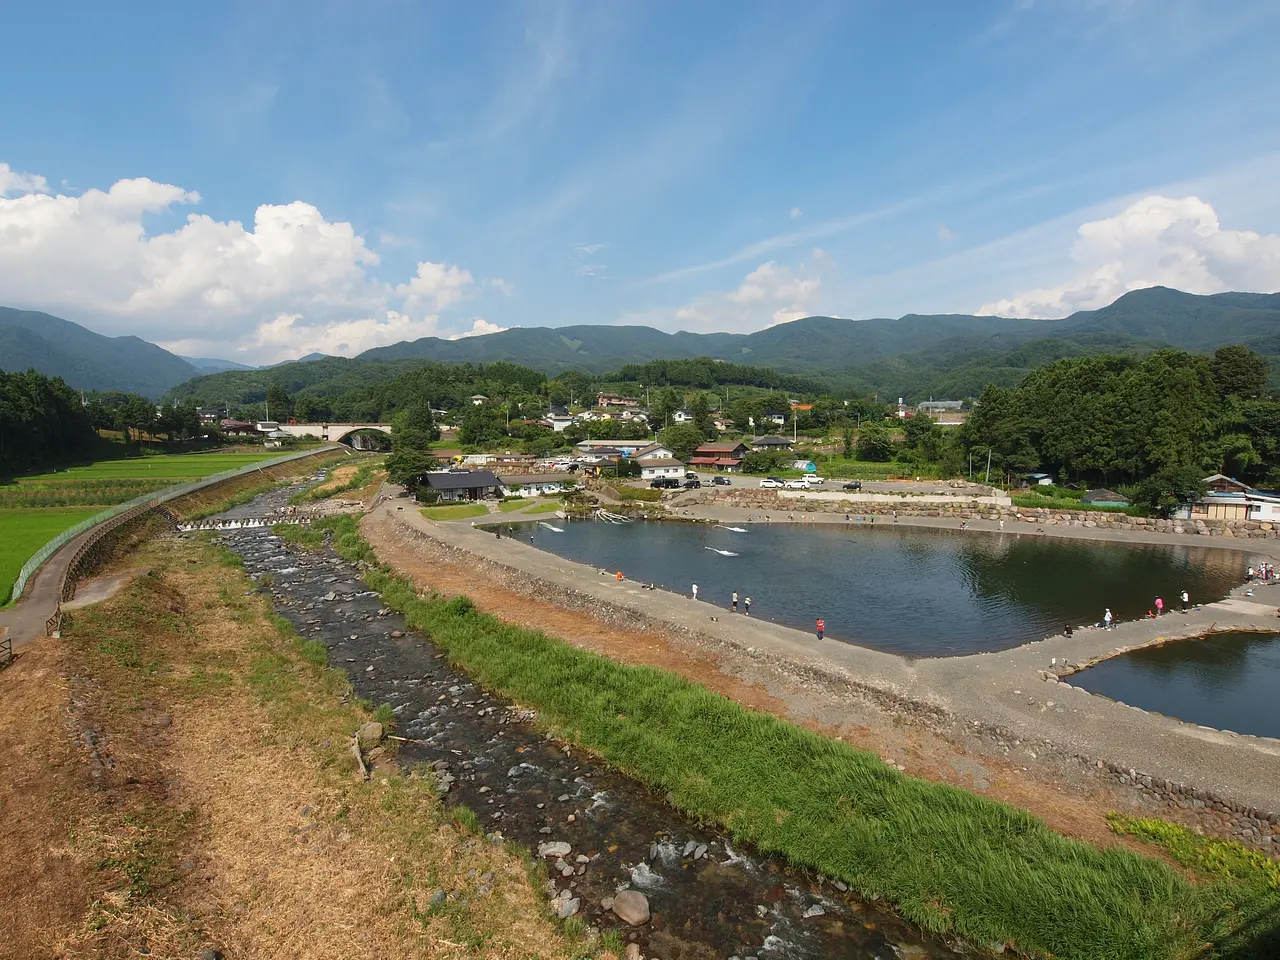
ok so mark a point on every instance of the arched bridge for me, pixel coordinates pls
(331, 432)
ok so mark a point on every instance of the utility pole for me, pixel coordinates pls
(988, 479)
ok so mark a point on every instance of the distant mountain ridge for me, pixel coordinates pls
(84, 359)
(913, 355)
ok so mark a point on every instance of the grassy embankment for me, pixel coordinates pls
(232, 815)
(947, 860)
(459, 511)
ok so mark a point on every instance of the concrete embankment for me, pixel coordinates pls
(1012, 698)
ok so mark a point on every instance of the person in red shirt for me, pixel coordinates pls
(820, 627)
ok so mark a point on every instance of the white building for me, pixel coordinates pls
(535, 484)
(560, 423)
(661, 467)
(653, 451)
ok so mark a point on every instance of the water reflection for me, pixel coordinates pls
(1225, 680)
(910, 591)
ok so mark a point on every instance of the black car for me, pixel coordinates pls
(692, 484)
(853, 485)
(665, 483)
(722, 481)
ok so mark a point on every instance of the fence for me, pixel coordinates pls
(150, 500)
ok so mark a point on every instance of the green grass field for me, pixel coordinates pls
(36, 508)
(950, 861)
(177, 467)
(547, 506)
(25, 532)
(455, 512)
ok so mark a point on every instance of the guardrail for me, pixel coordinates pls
(150, 500)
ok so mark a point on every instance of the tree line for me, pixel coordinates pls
(42, 421)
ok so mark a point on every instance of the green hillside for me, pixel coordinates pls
(84, 359)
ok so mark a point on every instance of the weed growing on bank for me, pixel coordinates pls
(950, 861)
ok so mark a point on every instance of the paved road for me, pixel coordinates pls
(25, 620)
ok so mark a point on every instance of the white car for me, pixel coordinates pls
(796, 485)
(814, 480)
(770, 483)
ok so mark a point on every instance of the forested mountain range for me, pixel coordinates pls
(913, 356)
(84, 359)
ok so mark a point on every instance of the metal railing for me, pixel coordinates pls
(153, 499)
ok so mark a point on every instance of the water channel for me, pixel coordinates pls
(912, 591)
(709, 897)
(1229, 681)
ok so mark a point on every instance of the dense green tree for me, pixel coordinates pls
(682, 439)
(42, 420)
(1238, 371)
(664, 403)
(700, 407)
(278, 402)
(875, 443)
(481, 425)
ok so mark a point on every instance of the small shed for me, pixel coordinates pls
(1105, 498)
(1037, 480)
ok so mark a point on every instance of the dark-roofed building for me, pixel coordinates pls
(722, 455)
(462, 484)
(771, 443)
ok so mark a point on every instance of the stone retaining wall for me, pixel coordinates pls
(1257, 828)
(968, 509)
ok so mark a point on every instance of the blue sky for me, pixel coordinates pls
(360, 173)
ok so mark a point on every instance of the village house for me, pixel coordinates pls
(615, 401)
(682, 416)
(1231, 499)
(770, 416)
(477, 399)
(771, 443)
(535, 484)
(455, 485)
(652, 451)
(661, 467)
(722, 455)
(945, 413)
(1036, 480)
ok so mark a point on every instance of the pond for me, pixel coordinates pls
(1224, 680)
(912, 591)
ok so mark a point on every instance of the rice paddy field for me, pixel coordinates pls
(36, 508)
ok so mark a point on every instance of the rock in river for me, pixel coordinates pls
(557, 848)
(632, 907)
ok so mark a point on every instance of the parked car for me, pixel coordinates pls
(690, 475)
(813, 479)
(665, 483)
(693, 484)
(721, 482)
(771, 483)
(796, 485)
(853, 485)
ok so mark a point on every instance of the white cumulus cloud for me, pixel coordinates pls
(479, 328)
(290, 283)
(771, 293)
(1157, 241)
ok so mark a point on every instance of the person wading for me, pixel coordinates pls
(1106, 619)
(695, 591)
(1186, 599)
(1159, 606)
(820, 627)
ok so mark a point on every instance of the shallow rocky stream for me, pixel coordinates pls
(598, 832)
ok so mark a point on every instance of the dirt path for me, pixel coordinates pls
(1068, 806)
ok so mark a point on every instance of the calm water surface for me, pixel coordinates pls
(921, 593)
(1226, 680)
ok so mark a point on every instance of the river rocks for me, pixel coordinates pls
(330, 596)
(689, 847)
(369, 734)
(700, 851)
(814, 911)
(632, 952)
(566, 904)
(631, 906)
(556, 848)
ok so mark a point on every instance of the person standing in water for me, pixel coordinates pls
(1106, 619)
(695, 591)
(735, 601)
(1159, 606)
(746, 606)
(820, 627)
(1186, 599)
